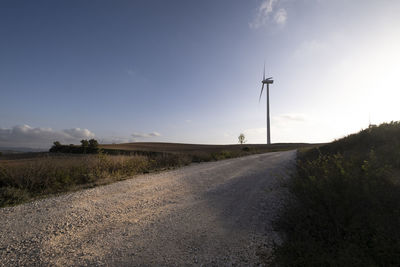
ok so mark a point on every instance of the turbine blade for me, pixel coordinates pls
(262, 88)
(264, 71)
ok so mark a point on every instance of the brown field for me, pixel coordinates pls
(195, 148)
(25, 176)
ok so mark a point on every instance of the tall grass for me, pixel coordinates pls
(346, 207)
(26, 178)
(23, 177)
(21, 180)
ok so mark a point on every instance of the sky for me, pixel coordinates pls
(190, 71)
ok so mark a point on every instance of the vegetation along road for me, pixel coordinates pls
(215, 213)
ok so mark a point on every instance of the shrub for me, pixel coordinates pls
(223, 155)
(346, 207)
(12, 195)
(201, 157)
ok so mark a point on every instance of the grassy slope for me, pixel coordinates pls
(347, 208)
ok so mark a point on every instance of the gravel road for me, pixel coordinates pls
(216, 213)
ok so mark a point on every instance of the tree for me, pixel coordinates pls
(84, 146)
(93, 146)
(57, 144)
(56, 147)
(241, 139)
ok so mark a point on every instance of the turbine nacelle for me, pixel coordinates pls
(265, 81)
(268, 81)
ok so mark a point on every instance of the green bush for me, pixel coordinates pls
(224, 155)
(346, 207)
(12, 195)
(201, 157)
(246, 149)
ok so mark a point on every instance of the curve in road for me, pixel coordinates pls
(216, 213)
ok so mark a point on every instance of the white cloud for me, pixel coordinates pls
(154, 134)
(27, 136)
(290, 117)
(311, 48)
(146, 135)
(265, 11)
(266, 7)
(254, 131)
(289, 127)
(256, 135)
(280, 16)
(79, 133)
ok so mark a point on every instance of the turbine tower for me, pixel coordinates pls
(267, 81)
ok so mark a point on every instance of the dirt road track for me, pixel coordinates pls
(216, 213)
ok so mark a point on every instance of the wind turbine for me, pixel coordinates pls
(267, 81)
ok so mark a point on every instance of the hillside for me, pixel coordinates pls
(347, 203)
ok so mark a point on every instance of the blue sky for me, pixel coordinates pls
(190, 71)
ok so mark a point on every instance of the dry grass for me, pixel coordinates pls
(202, 149)
(24, 177)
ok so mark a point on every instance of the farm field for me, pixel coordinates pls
(196, 148)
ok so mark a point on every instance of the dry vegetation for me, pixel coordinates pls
(27, 176)
(194, 148)
(23, 179)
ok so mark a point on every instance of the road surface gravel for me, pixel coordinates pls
(216, 213)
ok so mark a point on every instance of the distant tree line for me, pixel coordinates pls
(86, 147)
